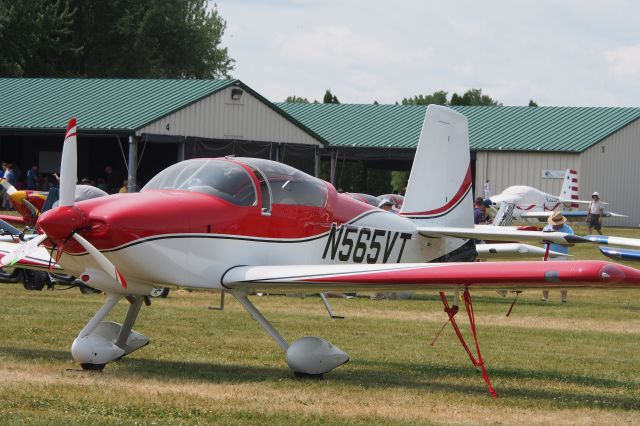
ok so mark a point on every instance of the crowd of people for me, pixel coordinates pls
(34, 180)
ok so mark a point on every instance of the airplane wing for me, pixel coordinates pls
(487, 251)
(38, 260)
(614, 241)
(570, 214)
(620, 253)
(569, 201)
(431, 276)
(497, 233)
(12, 219)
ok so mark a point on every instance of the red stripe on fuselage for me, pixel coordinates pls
(464, 188)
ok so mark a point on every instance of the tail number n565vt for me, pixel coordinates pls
(356, 244)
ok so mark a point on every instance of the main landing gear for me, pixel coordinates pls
(101, 342)
(308, 356)
(451, 311)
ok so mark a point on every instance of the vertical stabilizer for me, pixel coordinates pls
(569, 190)
(439, 188)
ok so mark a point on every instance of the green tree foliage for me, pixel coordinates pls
(470, 97)
(473, 97)
(532, 103)
(296, 100)
(36, 37)
(329, 98)
(399, 181)
(438, 98)
(113, 38)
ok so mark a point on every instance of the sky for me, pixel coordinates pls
(559, 53)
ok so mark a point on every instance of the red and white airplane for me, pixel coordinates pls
(531, 204)
(241, 225)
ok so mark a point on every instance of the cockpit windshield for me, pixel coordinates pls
(289, 185)
(223, 179)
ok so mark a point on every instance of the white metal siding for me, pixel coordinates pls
(615, 173)
(219, 117)
(504, 169)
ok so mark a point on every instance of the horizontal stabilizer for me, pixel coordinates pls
(497, 233)
(432, 276)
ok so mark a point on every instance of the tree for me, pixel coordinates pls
(296, 100)
(473, 97)
(113, 38)
(36, 37)
(438, 98)
(329, 98)
(532, 103)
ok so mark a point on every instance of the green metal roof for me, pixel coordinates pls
(98, 104)
(562, 129)
(42, 104)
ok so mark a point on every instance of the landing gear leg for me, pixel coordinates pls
(325, 301)
(101, 342)
(451, 312)
(307, 357)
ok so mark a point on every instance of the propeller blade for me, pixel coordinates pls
(101, 259)
(69, 166)
(11, 230)
(8, 187)
(33, 209)
(22, 250)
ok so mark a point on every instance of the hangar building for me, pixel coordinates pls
(510, 145)
(141, 126)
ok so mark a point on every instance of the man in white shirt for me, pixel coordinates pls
(594, 216)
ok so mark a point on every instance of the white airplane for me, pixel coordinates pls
(531, 204)
(243, 225)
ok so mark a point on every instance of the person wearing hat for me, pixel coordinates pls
(594, 215)
(558, 223)
(386, 204)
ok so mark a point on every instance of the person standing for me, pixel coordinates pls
(10, 177)
(558, 223)
(594, 215)
(32, 177)
(479, 212)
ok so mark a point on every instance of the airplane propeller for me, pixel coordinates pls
(61, 224)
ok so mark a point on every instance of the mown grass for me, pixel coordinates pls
(551, 363)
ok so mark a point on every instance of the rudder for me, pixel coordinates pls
(439, 188)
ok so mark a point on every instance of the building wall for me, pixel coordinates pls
(611, 167)
(219, 117)
(504, 169)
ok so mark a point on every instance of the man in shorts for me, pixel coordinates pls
(594, 215)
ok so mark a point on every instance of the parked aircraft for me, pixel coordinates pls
(241, 225)
(531, 204)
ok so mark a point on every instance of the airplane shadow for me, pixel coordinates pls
(377, 374)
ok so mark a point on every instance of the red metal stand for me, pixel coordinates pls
(451, 312)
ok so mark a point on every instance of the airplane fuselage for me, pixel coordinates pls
(528, 199)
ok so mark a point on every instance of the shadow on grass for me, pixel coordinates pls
(381, 375)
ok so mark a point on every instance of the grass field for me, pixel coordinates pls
(551, 363)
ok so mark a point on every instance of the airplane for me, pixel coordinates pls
(531, 204)
(30, 204)
(243, 225)
(397, 200)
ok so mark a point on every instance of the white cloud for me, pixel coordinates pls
(574, 52)
(624, 61)
(337, 46)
